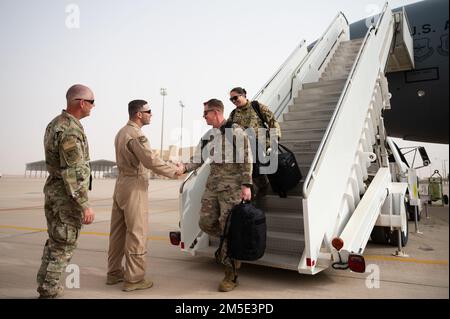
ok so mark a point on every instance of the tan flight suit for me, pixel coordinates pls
(129, 219)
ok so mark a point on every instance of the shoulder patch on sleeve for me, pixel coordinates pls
(142, 139)
(69, 145)
(71, 151)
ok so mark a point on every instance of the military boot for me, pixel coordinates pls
(143, 284)
(229, 282)
(58, 293)
(112, 279)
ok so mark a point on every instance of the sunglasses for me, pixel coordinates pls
(148, 111)
(206, 112)
(234, 98)
(90, 101)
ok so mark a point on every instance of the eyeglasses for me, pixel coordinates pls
(90, 101)
(234, 98)
(206, 112)
(148, 111)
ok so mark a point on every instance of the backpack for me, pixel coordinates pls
(288, 173)
(245, 232)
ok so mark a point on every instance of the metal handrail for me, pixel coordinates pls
(299, 66)
(279, 70)
(305, 59)
(381, 17)
(325, 138)
(296, 71)
(207, 161)
(194, 172)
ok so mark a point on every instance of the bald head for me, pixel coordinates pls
(77, 92)
(80, 101)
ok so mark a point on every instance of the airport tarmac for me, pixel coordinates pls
(176, 275)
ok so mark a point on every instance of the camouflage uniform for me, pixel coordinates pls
(247, 118)
(66, 196)
(223, 187)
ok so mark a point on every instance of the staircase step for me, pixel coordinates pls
(304, 169)
(354, 41)
(336, 73)
(289, 262)
(316, 98)
(324, 84)
(328, 77)
(269, 259)
(303, 105)
(308, 114)
(309, 107)
(294, 192)
(303, 146)
(275, 203)
(295, 135)
(343, 57)
(325, 79)
(338, 67)
(342, 53)
(314, 93)
(324, 89)
(281, 222)
(342, 62)
(304, 158)
(279, 242)
(304, 124)
(285, 243)
(348, 48)
(350, 43)
(347, 60)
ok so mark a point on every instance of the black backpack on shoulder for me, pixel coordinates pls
(245, 232)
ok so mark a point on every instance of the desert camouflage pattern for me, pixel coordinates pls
(231, 167)
(66, 195)
(67, 158)
(247, 117)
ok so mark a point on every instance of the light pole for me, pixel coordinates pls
(444, 170)
(181, 133)
(163, 92)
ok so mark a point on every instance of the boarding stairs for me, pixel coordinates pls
(329, 101)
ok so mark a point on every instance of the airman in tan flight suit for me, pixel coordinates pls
(129, 219)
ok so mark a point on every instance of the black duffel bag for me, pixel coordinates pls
(245, 232)
(288, 173)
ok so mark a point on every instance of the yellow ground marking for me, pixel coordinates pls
(368, 257)
(407, 260)
(83, 232)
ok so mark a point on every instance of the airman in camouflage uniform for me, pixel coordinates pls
(66, 188)
(229, 180)
(245, 116)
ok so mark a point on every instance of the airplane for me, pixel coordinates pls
(419, 103)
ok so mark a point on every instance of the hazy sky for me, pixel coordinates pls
(125, 50)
